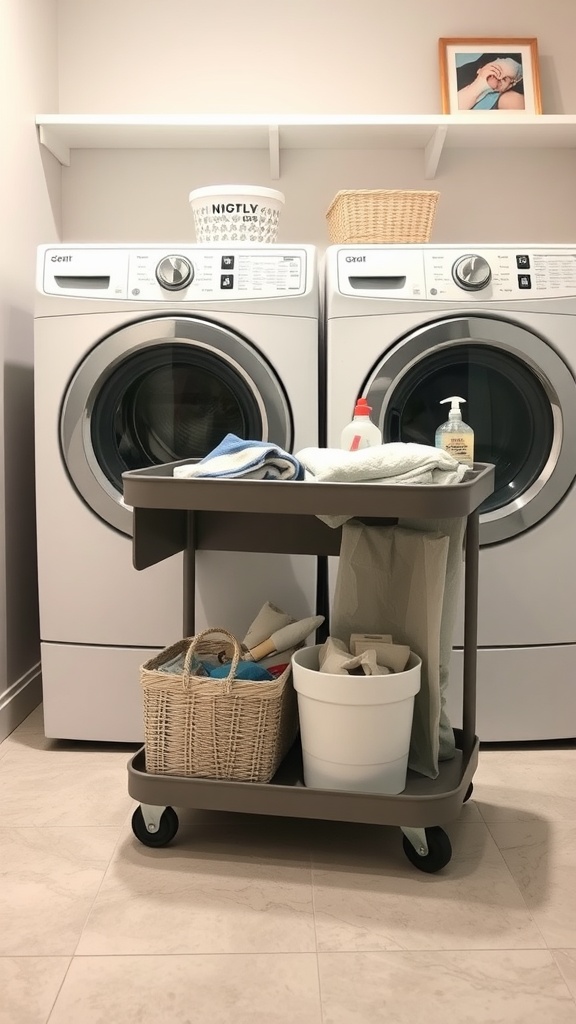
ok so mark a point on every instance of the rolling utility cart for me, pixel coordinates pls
(173, 514)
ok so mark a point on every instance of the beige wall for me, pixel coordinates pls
(28, 82)
(355, 56)
(337, 56)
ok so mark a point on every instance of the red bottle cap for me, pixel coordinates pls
(362, 408)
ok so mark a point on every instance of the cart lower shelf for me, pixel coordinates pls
(424, 804)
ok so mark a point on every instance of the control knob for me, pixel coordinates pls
(471, 273)
(174, 273)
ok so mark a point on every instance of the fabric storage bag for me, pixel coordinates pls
(215, 728)
(399, 580)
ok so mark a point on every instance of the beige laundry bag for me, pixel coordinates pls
(393, 580)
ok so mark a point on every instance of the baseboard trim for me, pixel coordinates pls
(19, 700)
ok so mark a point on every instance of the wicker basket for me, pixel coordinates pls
(215, 728)
(381, 215)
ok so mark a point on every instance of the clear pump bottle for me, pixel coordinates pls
(455, 436)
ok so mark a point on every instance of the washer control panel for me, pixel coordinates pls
(451, 273)
(191, 274)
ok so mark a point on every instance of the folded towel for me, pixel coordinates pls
(248, 460)
(394, 463)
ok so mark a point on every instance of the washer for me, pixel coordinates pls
(145, 355)
(408, 326)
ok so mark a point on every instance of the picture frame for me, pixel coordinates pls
(491, 76)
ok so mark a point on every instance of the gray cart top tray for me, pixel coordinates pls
(158, 488)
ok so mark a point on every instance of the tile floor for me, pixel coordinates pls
(248, 920)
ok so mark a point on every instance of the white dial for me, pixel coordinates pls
(174, 272)
(471, 273)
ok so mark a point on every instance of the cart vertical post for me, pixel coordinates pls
(189, 571)
(470, 631)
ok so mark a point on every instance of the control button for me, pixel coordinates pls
(471, 273)
(524, 281)
(227, 280)
(227, 263)
(174, 273)
(523, 262)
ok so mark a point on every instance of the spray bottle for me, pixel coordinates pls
(361, 432)
(455, 436)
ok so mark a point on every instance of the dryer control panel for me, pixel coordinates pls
(179, 273)
(455, 273)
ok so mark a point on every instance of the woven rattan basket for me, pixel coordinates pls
(215, 728)
(381, 215)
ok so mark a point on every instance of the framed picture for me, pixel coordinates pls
(496, 75)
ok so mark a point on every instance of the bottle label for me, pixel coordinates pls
(358, 442)
(458, 445)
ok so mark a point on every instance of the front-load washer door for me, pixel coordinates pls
(161, 390)
(520, 401)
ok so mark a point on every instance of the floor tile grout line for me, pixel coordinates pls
(60, 987)
(313, 888)
(508, 869)
(97, 893)
(288, 952)
(562, 978)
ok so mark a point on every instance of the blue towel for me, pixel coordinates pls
(248, 460)
(246, 670)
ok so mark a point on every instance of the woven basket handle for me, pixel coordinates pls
(195, 640)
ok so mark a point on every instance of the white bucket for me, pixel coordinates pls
(236, 213)
(355, 730)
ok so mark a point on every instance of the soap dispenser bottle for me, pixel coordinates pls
(361, 432)
(455, 436)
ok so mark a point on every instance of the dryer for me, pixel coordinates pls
(407, 326)
(143, 355)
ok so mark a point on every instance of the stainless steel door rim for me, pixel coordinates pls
(559, 469)
(223, 345)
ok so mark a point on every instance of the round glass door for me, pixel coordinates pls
(162, 391)
(168, 403)
(520, 399)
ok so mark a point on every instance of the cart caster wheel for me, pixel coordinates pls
(469, 792)
(167, 828)
(439, 851)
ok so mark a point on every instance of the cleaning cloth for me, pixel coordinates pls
(335, 658)
(248, 460)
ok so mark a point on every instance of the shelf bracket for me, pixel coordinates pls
(433, 151)
(51, 141)
(274, 151)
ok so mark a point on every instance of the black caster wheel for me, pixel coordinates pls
(469, 792)
(166, 831)
(439, 851)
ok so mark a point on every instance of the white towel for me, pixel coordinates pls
(394, 463)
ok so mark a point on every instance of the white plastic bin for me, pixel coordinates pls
(236, 213)
(355, 730)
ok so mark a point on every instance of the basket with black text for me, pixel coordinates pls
(215, 728)
(379, 215)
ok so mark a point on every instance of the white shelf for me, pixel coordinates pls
(431, 133)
